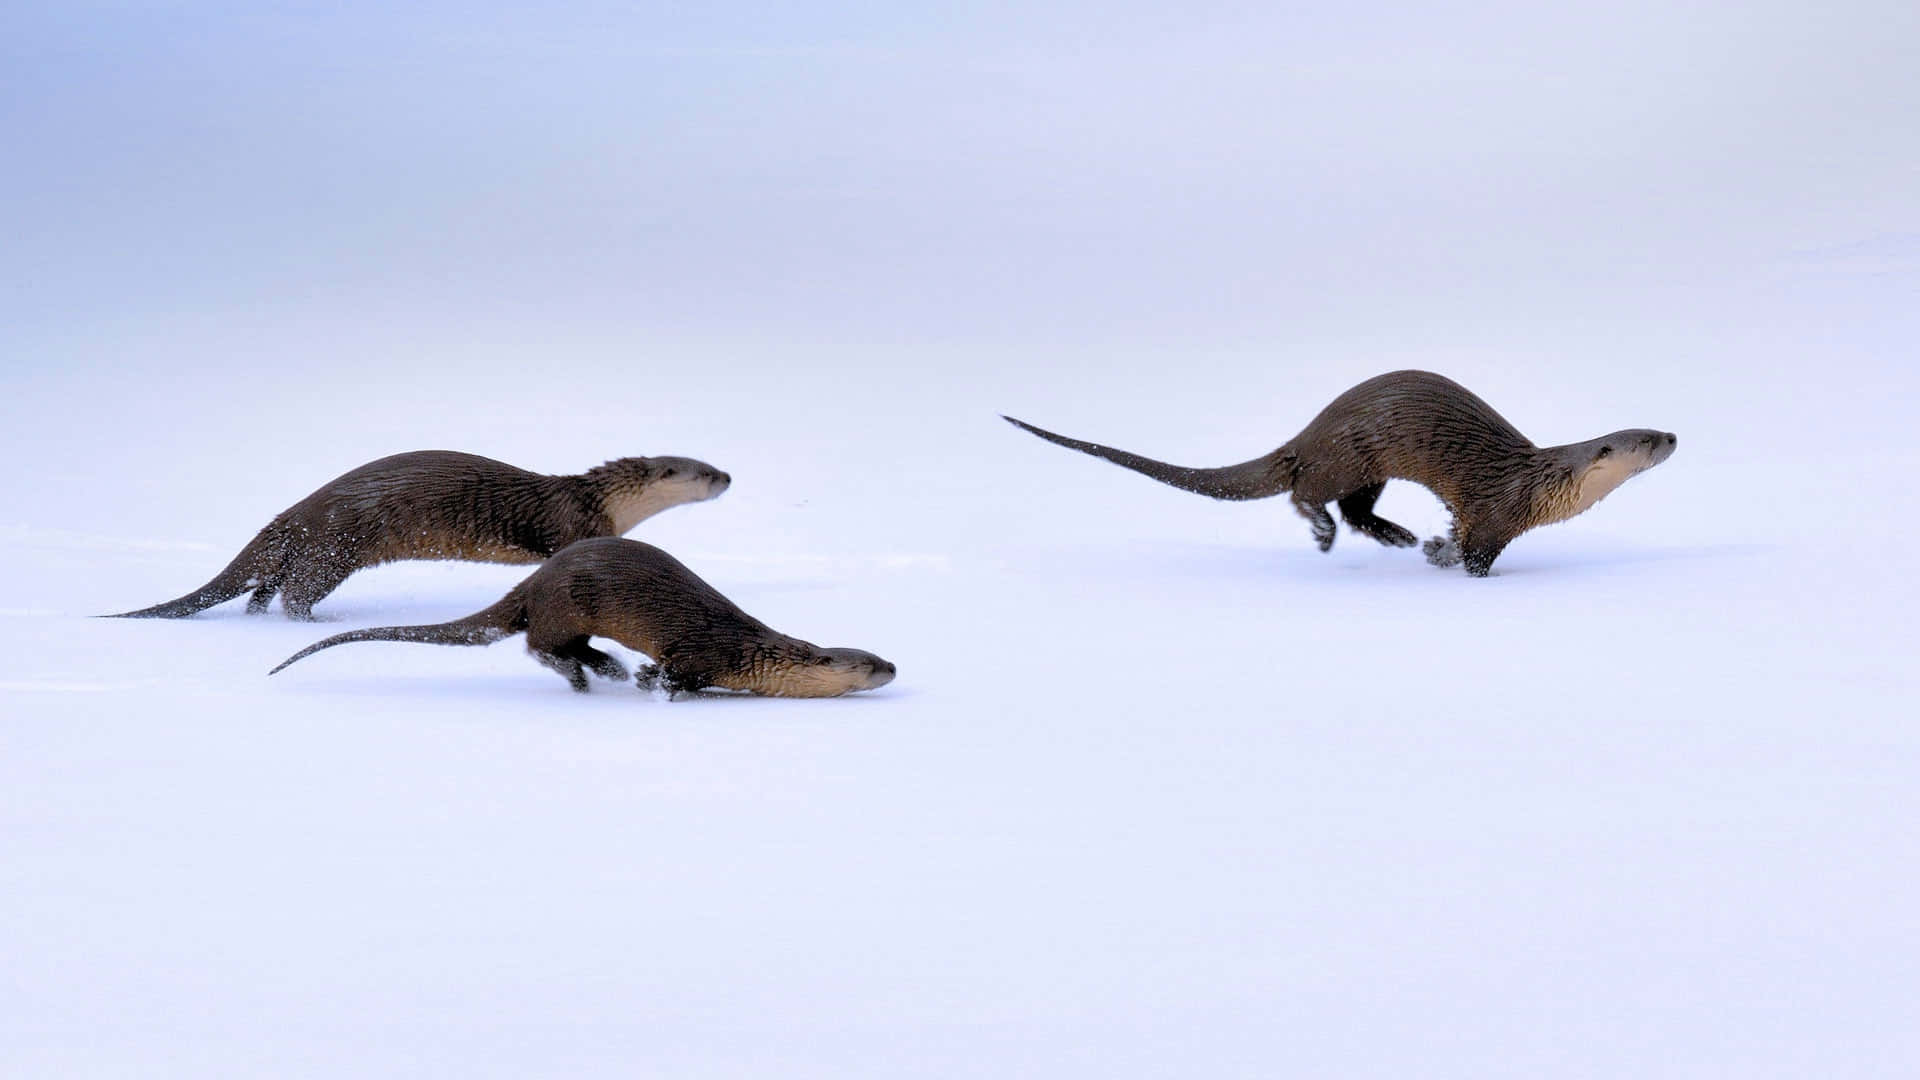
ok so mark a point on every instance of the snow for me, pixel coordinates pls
(1160, 790)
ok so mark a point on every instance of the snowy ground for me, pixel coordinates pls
(1160, 790)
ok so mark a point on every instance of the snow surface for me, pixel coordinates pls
(1160, 790)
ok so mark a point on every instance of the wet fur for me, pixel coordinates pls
(439, 504)
(1418, 426)
(645, 599)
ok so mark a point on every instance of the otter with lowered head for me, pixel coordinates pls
(439, 504)
(643, 598)
(1418, 426)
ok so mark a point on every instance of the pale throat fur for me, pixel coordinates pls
(1578, 487)
(628, 507)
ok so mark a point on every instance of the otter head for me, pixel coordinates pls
(1592, 469)
(810, 671)
(634, 489)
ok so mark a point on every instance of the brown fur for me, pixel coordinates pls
(440, 504)
(1418, 426)
(643, 598)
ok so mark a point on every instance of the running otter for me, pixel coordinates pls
(439, 504)
(1418, 426)
(644, 599)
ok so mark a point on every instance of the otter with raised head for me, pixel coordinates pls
(643, 598)
(1418, 426)
(439, 504)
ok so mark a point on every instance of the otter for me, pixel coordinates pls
(439, 504)
(645, 599)
(1418, 426)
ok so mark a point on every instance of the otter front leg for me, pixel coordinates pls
(1479, 557)
(654, 677)
(1466, 545)
(1318, 519)
(1357, 509)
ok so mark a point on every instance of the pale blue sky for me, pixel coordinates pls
(947, 173)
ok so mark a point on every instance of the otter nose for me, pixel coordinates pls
(722, 480)
(883, 671)
(1672, 439)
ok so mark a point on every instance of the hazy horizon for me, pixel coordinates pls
(1076, 175)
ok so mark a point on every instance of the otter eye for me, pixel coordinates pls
(1605, 451)
(669, 473)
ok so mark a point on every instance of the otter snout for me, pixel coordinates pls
(1660, 445)
(817, 672)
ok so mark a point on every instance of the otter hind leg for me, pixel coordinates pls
(595, 661)
(262, 596)
(568, 667)
(1357, 510)
(312, 581)
(300, 594)
(1318, 520)
(563, 652)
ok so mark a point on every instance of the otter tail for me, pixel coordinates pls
(249, 569)
(502, 620)
(1269, 474)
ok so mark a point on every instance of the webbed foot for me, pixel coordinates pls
(652, 677)
(1442, 551)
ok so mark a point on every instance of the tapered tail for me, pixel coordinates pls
(248, 570)
(502, 620)
(1269, 474)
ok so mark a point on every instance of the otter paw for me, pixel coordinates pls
(655, 679)
(1442, 551)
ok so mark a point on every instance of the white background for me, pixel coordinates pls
(1160, 789)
